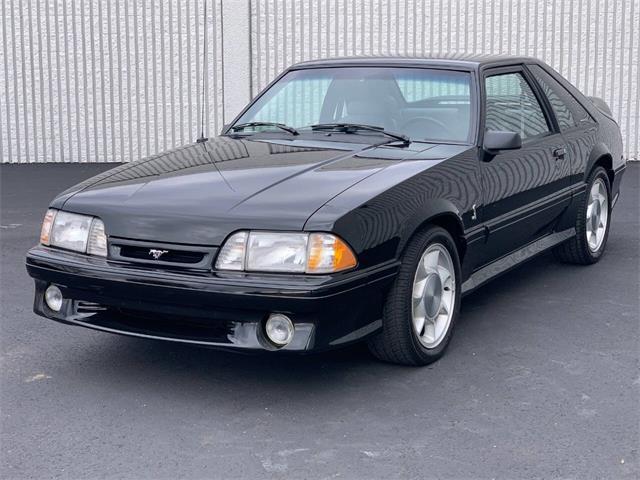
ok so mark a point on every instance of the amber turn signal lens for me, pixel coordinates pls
(47, 225)
(328, 254)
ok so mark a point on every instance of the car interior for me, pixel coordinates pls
(380, 102)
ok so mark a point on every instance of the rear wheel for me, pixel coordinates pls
(423, 303)
(592, 223)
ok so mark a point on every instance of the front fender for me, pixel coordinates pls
(434, 211)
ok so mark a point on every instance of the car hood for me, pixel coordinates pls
(200, 193)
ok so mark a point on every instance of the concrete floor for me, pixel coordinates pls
(541, 381)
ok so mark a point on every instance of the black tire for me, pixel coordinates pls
(576, 250)
(398, 341)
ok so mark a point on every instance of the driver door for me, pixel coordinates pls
(524, 190)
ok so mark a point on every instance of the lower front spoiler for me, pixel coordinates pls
(231, 334)
(227, 312)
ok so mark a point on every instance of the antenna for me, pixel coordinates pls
(202, 138)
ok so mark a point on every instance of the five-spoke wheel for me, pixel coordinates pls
(434, 288)
(422, 306)
(597, 214)
(592, 222)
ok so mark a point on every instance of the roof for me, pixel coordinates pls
(460, 60)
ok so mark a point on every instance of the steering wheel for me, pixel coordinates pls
(418, 128)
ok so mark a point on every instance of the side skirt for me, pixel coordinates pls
(514, 259)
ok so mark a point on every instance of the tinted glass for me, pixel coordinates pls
(561, 110)
(424, 104)
(293, 101)
(415, 86)
(564, 104)
(512, 106)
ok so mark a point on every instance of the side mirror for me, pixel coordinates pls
(495, 140)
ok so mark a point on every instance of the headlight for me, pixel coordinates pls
(276, 252)
(285, 252)
(80, 233)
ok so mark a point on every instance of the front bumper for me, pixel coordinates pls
(208, 308)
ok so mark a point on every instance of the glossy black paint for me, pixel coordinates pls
(500, 206)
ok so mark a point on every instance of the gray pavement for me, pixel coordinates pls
(541, 381)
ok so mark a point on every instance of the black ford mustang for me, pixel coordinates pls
(352, 199)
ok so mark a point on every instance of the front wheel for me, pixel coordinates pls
(592, 223)
(423, 304)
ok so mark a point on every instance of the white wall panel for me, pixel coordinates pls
(100, 80)
(594, 43)
(108, 81)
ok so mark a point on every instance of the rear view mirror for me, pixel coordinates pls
(495, 140)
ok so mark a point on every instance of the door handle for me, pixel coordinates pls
(559, 153)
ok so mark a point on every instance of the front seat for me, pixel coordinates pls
(373, 110)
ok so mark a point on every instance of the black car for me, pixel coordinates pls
(352, 199)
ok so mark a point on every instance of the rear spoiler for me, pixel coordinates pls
(601, 105)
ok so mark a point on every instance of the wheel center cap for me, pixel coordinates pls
(432, 295)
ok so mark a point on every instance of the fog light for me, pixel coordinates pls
(279, 329)
(53, 298)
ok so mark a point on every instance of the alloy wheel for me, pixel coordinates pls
(597, 214)
(433, 297)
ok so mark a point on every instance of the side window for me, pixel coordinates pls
(561, 110)
(512, 106)
(567, 109)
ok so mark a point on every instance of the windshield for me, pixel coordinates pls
(423, 104)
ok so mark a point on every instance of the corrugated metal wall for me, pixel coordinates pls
(594, 43)
(99, 80)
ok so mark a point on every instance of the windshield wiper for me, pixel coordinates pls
(281, 126)
(354, 127)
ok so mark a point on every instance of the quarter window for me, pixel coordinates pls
(512, 106)
(563, 114)
(567, 109)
